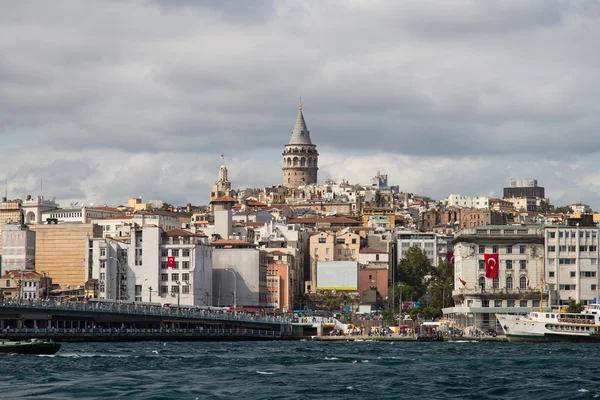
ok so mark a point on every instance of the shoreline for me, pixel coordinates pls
(365, 338)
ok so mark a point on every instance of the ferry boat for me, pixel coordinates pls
(552, 326)
(30, 346)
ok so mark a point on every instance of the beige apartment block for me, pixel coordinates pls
(10, 213)
(60, 251)
(332, 246)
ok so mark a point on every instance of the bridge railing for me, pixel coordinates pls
(145, 310)
(139, 332)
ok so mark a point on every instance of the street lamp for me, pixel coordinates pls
(234, 290)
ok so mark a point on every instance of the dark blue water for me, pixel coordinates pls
(305, 370)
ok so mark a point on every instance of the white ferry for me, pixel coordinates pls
(552, 326)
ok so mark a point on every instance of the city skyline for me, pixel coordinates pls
(109, 100)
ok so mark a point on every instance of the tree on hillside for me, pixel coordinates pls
(413, 269)
(440, 288)
(166, 206)
(564, 210)
(546, 207)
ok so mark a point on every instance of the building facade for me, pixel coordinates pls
(572, 260)
(300, 156)
(520, 268)
(18, 244)
(10, 213)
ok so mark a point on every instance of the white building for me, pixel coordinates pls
(572, 264)
(373, 257)
(120, 225)
(252, 216)
(33, 208)
(516, 288)
(436, 246)
(580, 207)
(456, 200)
(80, 214)
(239, 274)
(18, 248)
(151, 265)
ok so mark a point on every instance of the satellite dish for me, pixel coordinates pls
(91, 204)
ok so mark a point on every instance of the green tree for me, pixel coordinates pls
(574, 307)
(331, 304)
(388, 316)
(440, 288)
(412, 270)
(166, 206)
(546, 207)
(564, 210)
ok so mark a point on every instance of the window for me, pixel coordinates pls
(560, 234)
(354, 253)
(185, 252)
(185, 289)
(567, 287)
(550, 261)
(481, 264)
(164, 277)
(175, 252)
(185, 277)
(185, 264)
(551, 249)
(102, 276)
(327, 250)
(508, 264)
(497, 303)
(164, 253)
(496, 283)
(562, 248)
(353, 241)
(164, 265)
(593, 248)
(340, 241)
(102, 252)
(164, 290)
(508, 249)
(138, 292)
(485, 303)
(509, 282)
(587, 274)
(102, 264)
(510, 303)
(175, 289)
(551, 274)
(481, 282)
(593, 287)
(523, 264)
(593, 261)
(102, 288)
(572, 248)
(572, 274)
(566, 261)
(174, 277)
(523, 282)
(481, 249)
(583, 248)
(523, 303)
(322, 240)
(316, 251)
(522, 249)
(494, 249)
(551, 235)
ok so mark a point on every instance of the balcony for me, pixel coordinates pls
(496, 294)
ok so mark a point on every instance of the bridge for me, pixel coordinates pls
(119, 322)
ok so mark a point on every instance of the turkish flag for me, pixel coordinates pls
(463, 282)
(491, 265)
(450, 257)
(171, 262)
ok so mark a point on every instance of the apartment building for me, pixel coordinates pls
(342, 245)
(18, 244)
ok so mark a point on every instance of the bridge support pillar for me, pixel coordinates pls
(320, 330)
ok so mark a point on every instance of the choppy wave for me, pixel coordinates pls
(305, 370)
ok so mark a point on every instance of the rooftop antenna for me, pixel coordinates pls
(42, 187)
(6, 188)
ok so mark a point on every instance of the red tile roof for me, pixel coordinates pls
(120, 217)
(254, 224)
(224, 199)
(279, 253)
(229, 241)
(323, 221)
(107, 208)
(368, 250)
(181, 232)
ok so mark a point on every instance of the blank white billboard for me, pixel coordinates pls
(337, 275)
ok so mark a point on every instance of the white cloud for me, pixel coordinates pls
(111, 99)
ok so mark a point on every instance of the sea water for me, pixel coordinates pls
(305, 370)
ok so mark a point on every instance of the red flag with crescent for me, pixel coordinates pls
(463, 282)
(450, 257)
(171, 262)
(491, 265)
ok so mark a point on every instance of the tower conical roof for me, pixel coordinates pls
(300, 134)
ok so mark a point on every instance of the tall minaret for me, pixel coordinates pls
(300, 156)
(222, 187)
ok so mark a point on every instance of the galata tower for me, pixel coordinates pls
(300, 156)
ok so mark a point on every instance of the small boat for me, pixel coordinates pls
(30, 346)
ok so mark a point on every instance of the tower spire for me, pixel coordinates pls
(300, 103)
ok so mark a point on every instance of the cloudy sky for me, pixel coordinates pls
(108, 99)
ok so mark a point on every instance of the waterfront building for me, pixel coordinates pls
(373, 272)
(300, 156)
(79, 214)
(496, 269)
(61, 250)
(239, 274)
(18, 248)
(152, 265)
(26, 285)
(280, 280)
(343, 245)
(572, 258)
